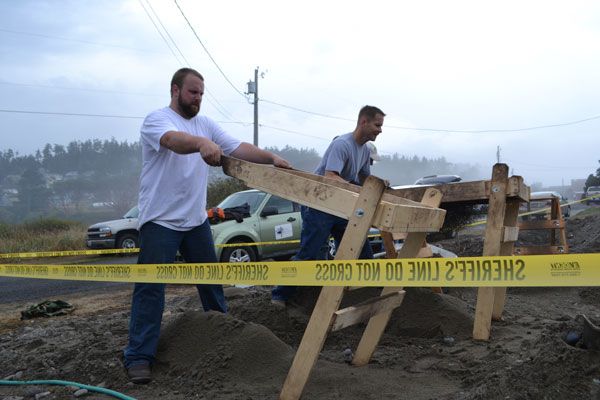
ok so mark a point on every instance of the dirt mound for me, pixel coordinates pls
(546, 368)
(218, 345)
(425, 314)
(583, 236)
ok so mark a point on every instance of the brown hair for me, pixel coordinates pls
(369, 112)
(179, 77)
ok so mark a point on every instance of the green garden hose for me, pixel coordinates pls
(67, 383)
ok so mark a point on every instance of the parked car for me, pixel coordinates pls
(593, 191)
(542, 200)
(374, 238)
(457, 215)
(437, 179)
(120, 233)
(272, 219)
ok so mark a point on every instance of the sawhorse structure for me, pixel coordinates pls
(363, 207)
(554, 223)
(503, 194)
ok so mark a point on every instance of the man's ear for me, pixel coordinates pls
(174, 90)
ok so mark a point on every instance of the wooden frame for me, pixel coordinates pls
(556, 227)
(363, 207)
(392, 214)
(503, 194)
(393, 211)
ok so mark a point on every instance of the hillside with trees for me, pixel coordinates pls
(91, 180)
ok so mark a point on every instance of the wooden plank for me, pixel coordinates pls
(411, 247)
(329, 300)
(395, 214)
(425, 252)
(491, 247)
(472, 191)
(556, 223)
(540, 249)
(388, 244)
(361, 312)
(516, 188)
(351, 288)
(511, 216)
(469, 191)
(399, 235)
(562, 234)
(542, 224)
(511, 234)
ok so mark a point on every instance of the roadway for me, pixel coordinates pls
(14, 290)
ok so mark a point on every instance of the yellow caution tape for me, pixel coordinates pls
(525, 271)
(541, 210)
(66, 253)
(38, 254)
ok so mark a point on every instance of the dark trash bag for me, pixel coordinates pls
(216, 214)
(47, 309)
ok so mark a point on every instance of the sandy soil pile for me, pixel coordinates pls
(425, 353)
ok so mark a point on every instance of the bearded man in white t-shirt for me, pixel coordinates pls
(172, 204)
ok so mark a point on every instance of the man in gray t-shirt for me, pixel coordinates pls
(347, 159)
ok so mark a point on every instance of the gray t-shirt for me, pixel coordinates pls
(347, 158)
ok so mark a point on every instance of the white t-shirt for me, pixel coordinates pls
(173, 186)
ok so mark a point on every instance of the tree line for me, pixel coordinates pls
(67, 181)
(592, 179)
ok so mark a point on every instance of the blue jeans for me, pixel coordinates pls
(159, 245)
(316, 228)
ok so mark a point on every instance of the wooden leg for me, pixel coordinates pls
(377, 324)
(411, 247)
(331, 297)
(506, 249)
(491, 247)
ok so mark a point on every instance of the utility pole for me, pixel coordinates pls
(253, 89)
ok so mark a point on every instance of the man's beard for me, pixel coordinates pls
(189, 111)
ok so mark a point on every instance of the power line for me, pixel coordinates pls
(71, 114)
(553, 166)
(160, 33)
(294, 132)
(166, 31)
(206, 50)
(531, 128)
(81, 89)
(579, 121)
(78, 40)
(223, 111)
(235, 122)
(306, 111)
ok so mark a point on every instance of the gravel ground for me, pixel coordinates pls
(426, 352)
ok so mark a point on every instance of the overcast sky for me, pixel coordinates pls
(435, 67)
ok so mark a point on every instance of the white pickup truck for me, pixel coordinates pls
(594, 193)
(119, 233)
